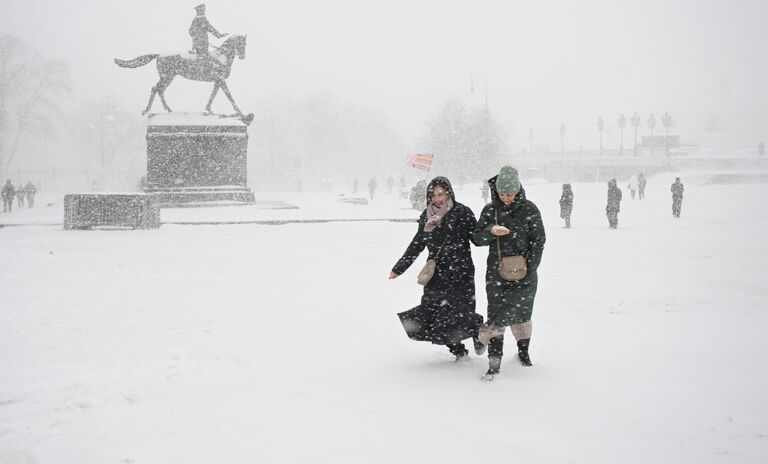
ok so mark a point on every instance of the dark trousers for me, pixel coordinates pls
(677, 203)
(613, 219)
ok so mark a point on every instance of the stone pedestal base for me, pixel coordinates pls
(203, 196)
(92, 210)
(197, 160)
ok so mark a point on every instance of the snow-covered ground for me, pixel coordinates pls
(280, 343)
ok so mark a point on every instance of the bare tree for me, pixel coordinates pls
(30, 87)
(109, 140)
(465, 143)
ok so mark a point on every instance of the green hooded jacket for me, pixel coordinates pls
(511, 302)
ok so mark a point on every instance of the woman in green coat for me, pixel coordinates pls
(510, 225)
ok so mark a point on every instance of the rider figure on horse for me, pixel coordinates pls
(199, 31)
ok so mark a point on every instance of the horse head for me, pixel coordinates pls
(234, 44)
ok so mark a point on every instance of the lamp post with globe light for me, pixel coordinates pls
(635, 121)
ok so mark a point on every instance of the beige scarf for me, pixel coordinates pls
(435, 215)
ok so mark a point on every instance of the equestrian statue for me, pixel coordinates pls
(201, 64)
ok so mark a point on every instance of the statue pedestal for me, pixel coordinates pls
(196, 160)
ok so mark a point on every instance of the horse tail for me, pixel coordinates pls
(136, 62)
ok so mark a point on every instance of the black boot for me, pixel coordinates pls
(494, 365)
(522, 351)
(458, 350)
(479, 347)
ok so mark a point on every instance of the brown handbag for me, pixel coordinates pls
(511, 268)
(426, 273)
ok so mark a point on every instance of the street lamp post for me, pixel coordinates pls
(530, 140)
(562, 140)
(600, 128)
(651, 126)
(475, 82)
(635, 121)
(622, 125)
(666, 121)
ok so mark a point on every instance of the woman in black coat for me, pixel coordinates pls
(613, 204)
(566, 204)
(446, 315)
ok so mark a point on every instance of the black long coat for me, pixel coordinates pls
(447, 310)
(566, 203)
(511, 302)
(613, 204)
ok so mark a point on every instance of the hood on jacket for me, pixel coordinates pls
(495, 198)
(443, 182)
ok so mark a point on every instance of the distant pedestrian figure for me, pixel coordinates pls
(8, 193)
(403, 182)
(613, 205)
(761, 149)
(20, 196)
(566, 204)
(418, 195)
(633, 185)
(677, 197)
(30, 190)
(486, 192)
(641, 182)
(354, 186)
(372, 184)
(390, 183)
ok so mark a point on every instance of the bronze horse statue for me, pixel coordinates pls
(193, 67)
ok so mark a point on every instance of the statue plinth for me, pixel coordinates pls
(195, 159)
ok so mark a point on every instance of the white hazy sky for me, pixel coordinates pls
(544, 61)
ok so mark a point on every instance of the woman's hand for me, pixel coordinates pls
(392, 275)
(499, 230)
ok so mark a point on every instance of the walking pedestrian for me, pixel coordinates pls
(613, 205)
(372, 184)
(677, 189)
(566, 204)
(512, 229)
(446, 315)
(633, 185)
(30, 190)
(20, 194)
(641, 183)
(8, 193)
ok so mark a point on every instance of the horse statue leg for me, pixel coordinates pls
(216, 86)
(151, 97)
(159, 89)
(224, 87)
(166, 81)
